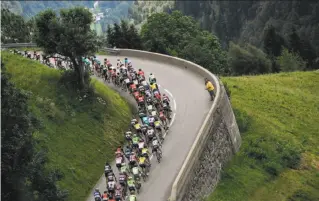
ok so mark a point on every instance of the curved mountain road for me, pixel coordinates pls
(190, 103)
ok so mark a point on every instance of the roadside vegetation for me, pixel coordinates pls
(80, 130)
(278, 119)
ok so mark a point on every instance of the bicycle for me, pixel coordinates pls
(158, 156)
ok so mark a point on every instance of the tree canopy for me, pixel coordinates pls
(23, 172)
(179, 35)
(68, 35)
(14, 29)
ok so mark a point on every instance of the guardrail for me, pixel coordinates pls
(182, 179)
(17, 45)
(221, 100)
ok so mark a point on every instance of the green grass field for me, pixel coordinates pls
(278, 116)
(79, 133)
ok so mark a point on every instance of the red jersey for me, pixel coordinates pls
(136, 94)
(133, 86)
(141, 73)
(141, 99)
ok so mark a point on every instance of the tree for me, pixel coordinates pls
(290, 61)
(302, 47)
(68, 35)
(247, 60)
(273, 42)
(14, 28)
(23, 172)
(124, 36)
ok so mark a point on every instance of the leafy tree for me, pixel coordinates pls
(68, 35)
(123, 35)
(302, 47)
(273, 42)
(290, 61)
(163, 32)
(179, 35)
(14, 28)
(23, 168)
(247, 60)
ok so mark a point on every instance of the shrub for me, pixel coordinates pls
(242, 119)
(289, 61)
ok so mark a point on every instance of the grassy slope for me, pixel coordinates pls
(283, 111)
(80, 135)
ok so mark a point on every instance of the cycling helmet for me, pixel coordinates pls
(118, 59)
(139, 69)
(134, 135)
(129, 177)
(154, 138)
(97, 190)
(164, 94)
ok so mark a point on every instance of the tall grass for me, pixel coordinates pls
(278, 116)
(80, 133)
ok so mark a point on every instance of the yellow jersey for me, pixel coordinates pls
(144, 151)
(209, 86)
(142, 160)
(137, 126)
(153, 86)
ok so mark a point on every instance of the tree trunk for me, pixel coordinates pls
(78, 68)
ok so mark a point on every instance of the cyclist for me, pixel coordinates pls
(122, 179)
(162, 117)
(153, 86)
(136, 170)
(145, 153)
(135, 140)
(154, 112)
(118, 193)
(119, 160)
(131, 183)
(111, 176)
(132, 197)
(150, 133)
(156, 145)
(141, 102)
(140, 72)
(151, 120)
(119, 151)
(105, 196)
(136, 94)
(111, 187)
(165, 99)
(133, 159)
(107, 169)
(141, 144)
(143, 163)
(119, 63)
(128, 136)
(97, 195)
(137, 127)
(124, 169)
(127, 151)
(152, 78)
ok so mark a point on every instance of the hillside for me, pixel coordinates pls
(245, 21)
(80, 133)
(278, 118)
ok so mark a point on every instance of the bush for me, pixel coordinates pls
(302, 195)
(289, 61)
(248, 60)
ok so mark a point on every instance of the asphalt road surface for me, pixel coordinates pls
(190, 104)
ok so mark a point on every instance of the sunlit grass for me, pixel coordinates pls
(80, 135)
(279, 157)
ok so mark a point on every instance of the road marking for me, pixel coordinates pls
(175, 104)
(169, 92)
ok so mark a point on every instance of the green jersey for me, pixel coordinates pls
(131, 182)
(132, 197)
(123, 168)
(135, 140)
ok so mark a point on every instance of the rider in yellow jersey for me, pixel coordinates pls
(143, 163)
(137, 126)
(145, 153)
(153, 86)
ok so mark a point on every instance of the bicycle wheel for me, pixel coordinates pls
(158, 156)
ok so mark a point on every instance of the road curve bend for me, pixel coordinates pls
(190, 103)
